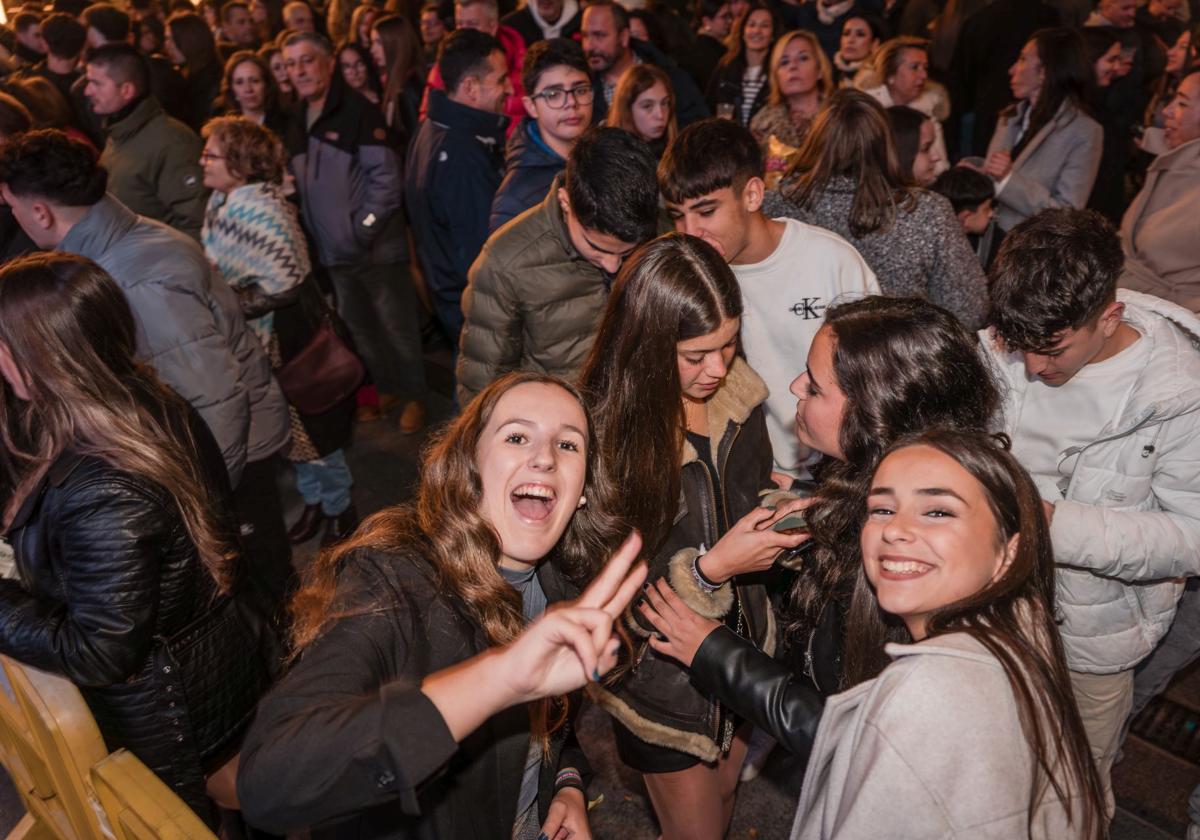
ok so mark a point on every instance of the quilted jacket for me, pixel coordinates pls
(107, 572)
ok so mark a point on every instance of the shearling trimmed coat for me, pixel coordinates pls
(657, 700)
(1161, 230)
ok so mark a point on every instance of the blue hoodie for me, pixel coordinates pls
(529, 168)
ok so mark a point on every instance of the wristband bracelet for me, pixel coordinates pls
(701, 581)
(569, 777)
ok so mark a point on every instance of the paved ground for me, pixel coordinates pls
(1152, 786)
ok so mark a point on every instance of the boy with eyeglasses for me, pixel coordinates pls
(558, 105)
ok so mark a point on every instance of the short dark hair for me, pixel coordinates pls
(1055, 271)
(965, 188)
(112, 23)
(23, 20)
(64, 35)
(230, 6)
(123, 63)
(707, 156)
(610, 184)
(464, 52)
(552, 52)
(48, 164)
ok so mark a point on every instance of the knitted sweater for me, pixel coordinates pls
(253, 237)
(923, 251)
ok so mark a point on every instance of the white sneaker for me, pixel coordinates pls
(757, 754)
(1193, 832)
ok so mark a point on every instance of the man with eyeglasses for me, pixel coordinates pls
(558, 107)
(539, 288)
(703, 56)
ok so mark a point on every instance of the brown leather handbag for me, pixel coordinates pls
(323, 374)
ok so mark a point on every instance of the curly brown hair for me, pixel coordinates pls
(252, 152)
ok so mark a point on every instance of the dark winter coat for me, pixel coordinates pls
(657, 700)
(349, 180)
(701, 59)
(153, 164)
(348, 744)
(529, 169)
(454, 168)
(107, 572)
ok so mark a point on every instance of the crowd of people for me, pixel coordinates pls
(826, 377)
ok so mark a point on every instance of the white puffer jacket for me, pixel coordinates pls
(1127, 530)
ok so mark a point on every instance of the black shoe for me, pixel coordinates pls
(307, 526)
(337, 528)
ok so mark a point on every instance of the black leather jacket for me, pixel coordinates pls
(657, 699)
(107, 573)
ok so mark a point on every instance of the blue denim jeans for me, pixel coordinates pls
(325, 481)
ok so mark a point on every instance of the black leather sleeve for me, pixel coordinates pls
(760, 689)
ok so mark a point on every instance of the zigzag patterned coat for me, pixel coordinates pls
(253, 236)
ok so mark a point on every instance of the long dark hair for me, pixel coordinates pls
(904, 365)
(673, 288)
(1013, 617)
(735, 44)
(194, 39)
(73, 337)
(851, 137)
(402, 53)
(1068, 76)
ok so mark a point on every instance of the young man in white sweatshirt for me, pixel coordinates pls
(1103, 409)
(789, 272)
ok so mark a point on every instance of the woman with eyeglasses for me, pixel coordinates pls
(558, 108)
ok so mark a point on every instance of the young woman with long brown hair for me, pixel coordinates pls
(396, 50)
(644, 105)
(370, 733)
(680, 420)
(846, 178)
(117, 510)
(973, 726)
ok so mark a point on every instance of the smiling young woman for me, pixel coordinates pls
(371, 732)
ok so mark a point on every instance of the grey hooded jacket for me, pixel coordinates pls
(189, 328)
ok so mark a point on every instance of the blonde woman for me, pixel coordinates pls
(644, 105)
(801, 79)
(899, 75)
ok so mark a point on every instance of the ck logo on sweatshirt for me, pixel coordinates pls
(808, 308)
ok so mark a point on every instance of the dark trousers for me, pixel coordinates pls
(266, 552)
(379, 305)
